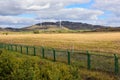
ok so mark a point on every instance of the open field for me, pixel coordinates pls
(100, 42)
(96, 42)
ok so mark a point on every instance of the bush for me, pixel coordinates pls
(18, 67)
(15, 66)
(5, 33)
(36, 32)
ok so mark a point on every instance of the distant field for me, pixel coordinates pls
(101, 42)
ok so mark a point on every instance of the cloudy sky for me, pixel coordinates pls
(20, 13)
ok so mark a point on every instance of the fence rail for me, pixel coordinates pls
(83, 59)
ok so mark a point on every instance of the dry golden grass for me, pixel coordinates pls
(107, 42)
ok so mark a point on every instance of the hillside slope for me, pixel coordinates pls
(64, 24)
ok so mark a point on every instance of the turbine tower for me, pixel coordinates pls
(41, 23)
(60, 24)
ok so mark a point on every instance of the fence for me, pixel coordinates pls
(82, 59)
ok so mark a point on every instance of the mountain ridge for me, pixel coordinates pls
(66, 25)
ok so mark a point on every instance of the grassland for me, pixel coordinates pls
(99, 42)
(16, 66)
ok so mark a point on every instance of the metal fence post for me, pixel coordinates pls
(15, 47)
(11, 47)
(20, 48)
(43, 52)
(8, 47)
(68, 57)
(4, 46)
(116, 64)
(0, 45)
(54, 55)
(27, 50)
(34, 51)
(88, 61)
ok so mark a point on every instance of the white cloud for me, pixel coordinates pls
(111, 6)
(70, 14)
(107, 4)
(36, 7)
(47, 9)
(55, 10)
(15, 7)
(17, 21)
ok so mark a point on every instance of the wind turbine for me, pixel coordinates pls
(41, 23)
(60, 24)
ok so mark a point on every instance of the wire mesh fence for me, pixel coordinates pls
(82, 59)
(104, 63)
(79, 58)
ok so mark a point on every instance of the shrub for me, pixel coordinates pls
(18, 67)
(15, 66)
(5, 33)
(36, 32)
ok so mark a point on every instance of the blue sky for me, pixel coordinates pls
(27, 15)
(84, 5)
(28, 12)
(75, 5)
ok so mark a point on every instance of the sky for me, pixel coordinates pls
(22, 13)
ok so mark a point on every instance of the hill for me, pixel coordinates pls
(108, 29)
(64, 25)
(9, 29)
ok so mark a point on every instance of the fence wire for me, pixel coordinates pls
(81, 59)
